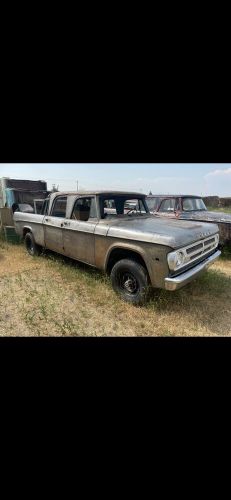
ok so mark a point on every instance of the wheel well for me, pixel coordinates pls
(123, 253)
(25, 231)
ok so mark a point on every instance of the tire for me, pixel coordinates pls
(32, 248)
(130, 280)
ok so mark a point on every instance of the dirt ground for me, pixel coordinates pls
(52, 296)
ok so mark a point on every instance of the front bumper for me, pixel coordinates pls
(185, 278)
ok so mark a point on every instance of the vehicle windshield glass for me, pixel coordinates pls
(118, 206)
(192, 204)
(153, 203)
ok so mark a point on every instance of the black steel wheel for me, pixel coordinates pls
(130, 280)
(32, 248)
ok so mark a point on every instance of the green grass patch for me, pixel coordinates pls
(226, 252)
(226, 210)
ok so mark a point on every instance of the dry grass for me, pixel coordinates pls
(52, 296)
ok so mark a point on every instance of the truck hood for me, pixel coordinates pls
(205, 215)
(172, 233)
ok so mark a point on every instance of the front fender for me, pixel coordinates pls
(136, 248)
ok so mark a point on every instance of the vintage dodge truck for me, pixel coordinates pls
(114, 232)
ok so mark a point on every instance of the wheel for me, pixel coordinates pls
(32, 248)
(130, 280)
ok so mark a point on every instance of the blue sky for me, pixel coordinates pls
(201, 179)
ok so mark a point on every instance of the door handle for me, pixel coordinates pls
(47, 220)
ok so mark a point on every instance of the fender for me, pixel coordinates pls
(129, 247)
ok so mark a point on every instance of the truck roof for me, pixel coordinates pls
(92, 193)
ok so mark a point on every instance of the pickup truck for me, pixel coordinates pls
(115, 232)
(191, 208)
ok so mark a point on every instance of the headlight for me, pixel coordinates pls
(175, 260)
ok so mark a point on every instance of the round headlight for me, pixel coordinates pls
(175, 260)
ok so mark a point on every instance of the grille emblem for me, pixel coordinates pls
(203, 235)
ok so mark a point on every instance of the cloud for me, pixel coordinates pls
(218, 182)
(219, 172)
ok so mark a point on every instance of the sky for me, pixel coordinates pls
(199, 178)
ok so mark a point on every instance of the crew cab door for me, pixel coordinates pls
(78, 232)
(53, 225)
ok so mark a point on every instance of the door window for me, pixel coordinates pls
(59, 207)
(84, 209)
(168, 205)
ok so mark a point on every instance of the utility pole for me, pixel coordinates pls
(77, 186)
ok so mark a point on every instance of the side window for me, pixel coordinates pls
(168, 205)
(84, 209)
(59, 207)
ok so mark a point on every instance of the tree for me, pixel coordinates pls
(150, 194)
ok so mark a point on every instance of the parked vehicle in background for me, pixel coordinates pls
(114, 232)
(187, 207)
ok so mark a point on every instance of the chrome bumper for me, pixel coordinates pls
(185, 278)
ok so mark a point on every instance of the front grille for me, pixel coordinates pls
(193, 252)
(196, 252)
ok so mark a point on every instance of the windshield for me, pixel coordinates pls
(117, 206)
(192, 204)
(153, 203)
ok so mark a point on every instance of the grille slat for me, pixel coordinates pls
(196, 247)
(195, 256)
(208, 242)
(198, 250)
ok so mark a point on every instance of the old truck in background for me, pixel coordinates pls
(115, 232)
(191, 208)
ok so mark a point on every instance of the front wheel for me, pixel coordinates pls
(32, 248)
(130, 281)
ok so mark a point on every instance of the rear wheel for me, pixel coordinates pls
(130, 281)
(32, 248)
